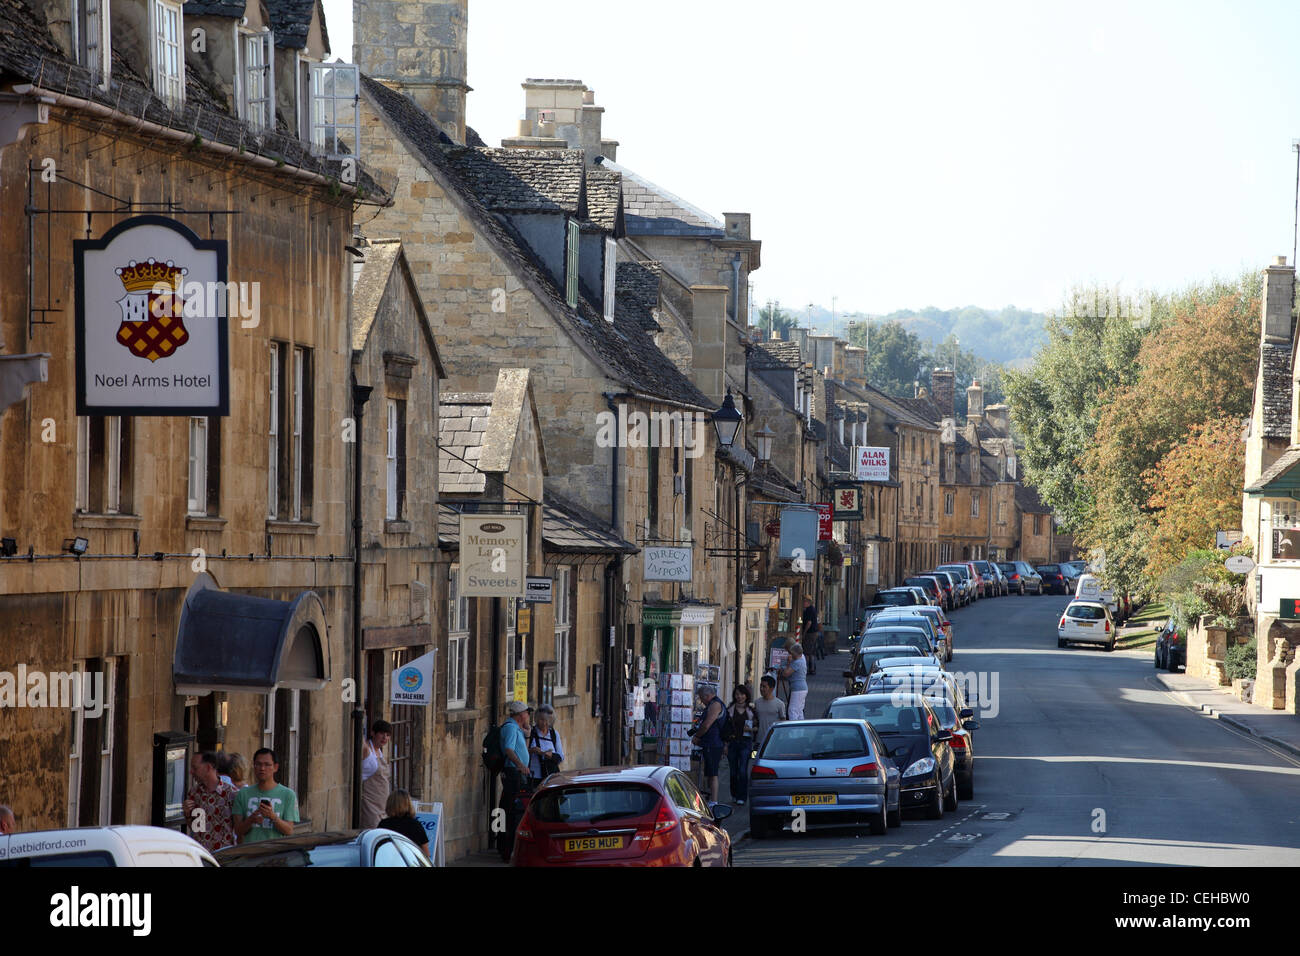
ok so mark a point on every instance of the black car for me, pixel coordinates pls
(962, 727)
(1014, 579)
(917, 744)
(949, 584)
(1171, 648)
(864, 662)
(348, 848)
(1053, 579)
(997, 583)
(895, 635)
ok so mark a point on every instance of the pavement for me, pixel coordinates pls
(1275, 727)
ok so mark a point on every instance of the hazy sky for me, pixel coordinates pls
(902, 155)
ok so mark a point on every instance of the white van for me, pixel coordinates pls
(103, 846)
(1090, 589)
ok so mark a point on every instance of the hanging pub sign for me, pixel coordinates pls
(847, 502)
(668, 564)
(824, 520)
(493, 552)
(151, 321)
(870, 463)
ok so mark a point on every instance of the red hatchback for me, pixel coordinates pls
(621, 816)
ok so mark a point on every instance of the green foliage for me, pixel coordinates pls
(1002, 336)
(898, 358)
(1201, 584)
(1239, 662)
(772, 317)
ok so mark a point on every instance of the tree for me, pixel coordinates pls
(894, 356)
(772, 317)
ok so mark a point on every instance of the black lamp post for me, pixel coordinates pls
(727, 421)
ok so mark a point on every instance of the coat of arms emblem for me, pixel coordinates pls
(152, 309)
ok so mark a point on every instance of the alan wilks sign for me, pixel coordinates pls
(493, 553)
(870, 463)
(151, 318)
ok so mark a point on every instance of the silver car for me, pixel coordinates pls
(829, 769)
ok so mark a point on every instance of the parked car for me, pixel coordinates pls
(950, 588)
(832, 769)
(1090, 588)
(962, 725)
(917, 679)
(866, 660)
(899, 597)
(1030, 577)
(1171, 647)
(102, 846)
(1077, 569)
(1015, 582)
(892, 635)
(621, 816)
(1086, 622)
(349, 848)
(1053, 579)
(989, 572)
(967, 574)
(931, 587)
(918, 746)
(943, 627)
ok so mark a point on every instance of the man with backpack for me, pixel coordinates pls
(709, 736)
(514, 771)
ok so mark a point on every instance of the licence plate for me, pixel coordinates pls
(585, 844)
(1083, 623)
(812, 799)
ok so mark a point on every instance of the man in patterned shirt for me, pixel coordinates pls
(209, 804)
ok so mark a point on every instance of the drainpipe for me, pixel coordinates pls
(612, 728)
(360, 395)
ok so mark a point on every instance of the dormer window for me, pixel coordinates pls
(611, 266)
(335, 119)
(91, 24)
(571, 267)
(168, 58)
(258, 89)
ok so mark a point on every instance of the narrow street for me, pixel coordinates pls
(1078, 734)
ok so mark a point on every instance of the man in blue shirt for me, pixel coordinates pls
(514, 747)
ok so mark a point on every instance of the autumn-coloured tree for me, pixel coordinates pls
(1196, 491)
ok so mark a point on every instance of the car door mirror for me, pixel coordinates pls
(971, 725)
(720, 812)
(942, 735)
(966, 712)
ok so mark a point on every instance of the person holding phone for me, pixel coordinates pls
(267, 809)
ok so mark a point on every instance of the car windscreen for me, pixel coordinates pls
(896, 598)
(869, 658)
(880, 636)
(884, 715)
(1009, 568)
(944, 711)
(920, 621)
(811, 741)
(961, 572)
(1085, 612)
(594, 803)
(1049, 568)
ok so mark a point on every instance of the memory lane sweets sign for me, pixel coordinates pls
(151, 316)
(493, 555)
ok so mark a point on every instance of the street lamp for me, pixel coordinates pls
(727, 421)
(763, 440)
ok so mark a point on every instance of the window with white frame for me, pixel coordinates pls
(1001, 513)
(299, 361)
(335, 117)
(258, 88)
(198, 496)
(611, 289)
(563, 625)
(103, 465)
(168, 57)
(395, 459)
(92, 39)
(974, 504)
(457, 641)
(1283, 517)
(571, 266)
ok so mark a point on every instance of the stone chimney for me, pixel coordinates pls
(419, 49)
(975, 402)
(709, 340)
(736, 224)
(1279, 296)
(943, 385)
(999, 419)
(562, 114)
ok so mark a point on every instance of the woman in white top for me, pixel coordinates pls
(544, 745)
(375, 782)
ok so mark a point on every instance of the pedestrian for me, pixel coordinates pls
(209, 804)
(376, 781)
(544, 747)
(266, 810)
(223, 768)
(811, 634)
(796, 670)
(744, 722)
(769, 708)
(238, 771)
(708, 737)
(515, 775)
(8, 822)
(401, 817)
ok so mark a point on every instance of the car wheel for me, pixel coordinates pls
(1171, 664)
(758, 828)
(1111, 646)
(1160, 660)
(697, 862)
(967, 790)
(894, 818)
(879, 823)
(934, 809)
(1060, 642)
(950, 801)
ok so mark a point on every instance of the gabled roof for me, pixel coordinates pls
(651, 210)
(894, 406)
(383, 256)
(1027, 501)
(605, 201)
(623, 350)
(291, 22)
(777, 355)
(1275, 379)
(523, 180)
(924, 407)
(1278, 476)
(462, 422)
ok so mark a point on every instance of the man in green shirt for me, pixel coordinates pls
(265, 810)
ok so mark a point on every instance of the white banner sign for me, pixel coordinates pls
(872, 464)
(413, 682)
(668, 564)
(493, 555)
(539, 590)
(151, 320)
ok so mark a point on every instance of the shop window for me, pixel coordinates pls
(1283, 516)
(407, 751)
(97, 761)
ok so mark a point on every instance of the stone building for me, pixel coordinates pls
(141, 530)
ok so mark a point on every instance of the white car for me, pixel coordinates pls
(1086, 622)
(1089, 589)
(103, 846)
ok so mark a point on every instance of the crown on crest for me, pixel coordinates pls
(143, 276)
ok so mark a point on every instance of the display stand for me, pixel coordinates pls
(675, 715)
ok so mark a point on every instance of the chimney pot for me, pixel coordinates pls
(1279, 260)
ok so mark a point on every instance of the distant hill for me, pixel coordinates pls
(1009, 336)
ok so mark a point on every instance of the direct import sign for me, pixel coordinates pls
(668, 564)
(871, 463)
(493, 551)
(151, 321)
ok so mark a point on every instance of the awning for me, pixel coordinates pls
(1281, 479)
(236, 642)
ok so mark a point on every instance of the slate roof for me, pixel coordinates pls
(923, 407)
(651, 210)
(627, 352)
(894, 406)
(636, 288)
(291, 22)
(523, 180)
(368, 293)
(1027, 501)
(604, 192)
(570, 528)
(1275, 376)
(462, 422)
(771, 355)
(215, 8)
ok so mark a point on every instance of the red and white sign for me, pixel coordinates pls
(872, 463)
(823, 521)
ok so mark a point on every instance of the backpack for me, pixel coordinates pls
(493, 756)
(726, 729)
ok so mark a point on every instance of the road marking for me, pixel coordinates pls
(1199, 710)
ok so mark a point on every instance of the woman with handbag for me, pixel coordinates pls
(743, 722)
(544, 747)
